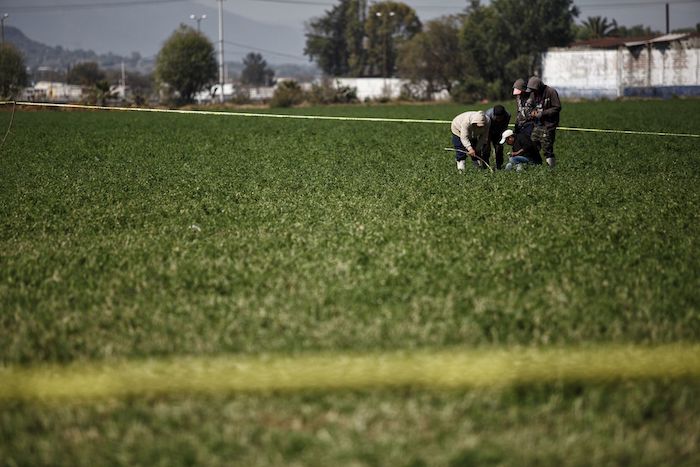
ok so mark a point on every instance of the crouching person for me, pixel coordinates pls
(470, 134)
(524, 150)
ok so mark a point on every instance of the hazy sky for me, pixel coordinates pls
(275, 26)
(684, 13)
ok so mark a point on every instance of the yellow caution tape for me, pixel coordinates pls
(445, 369)
(320, 117)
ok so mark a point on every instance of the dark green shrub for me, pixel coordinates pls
(287, 94)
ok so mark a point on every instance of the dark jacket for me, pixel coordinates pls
(523, 104)
(496, 129)
(523, 142)
(545, 99)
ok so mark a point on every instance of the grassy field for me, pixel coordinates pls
(134, 236)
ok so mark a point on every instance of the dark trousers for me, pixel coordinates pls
(544, 140)
(498, 149)
(460, 151)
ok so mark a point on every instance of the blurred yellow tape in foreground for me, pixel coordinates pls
(446, 369)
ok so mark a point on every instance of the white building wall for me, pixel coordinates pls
(582, 73)
(374, 88)
(55, 91)
(598, 73)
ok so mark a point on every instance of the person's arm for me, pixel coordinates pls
(464, 132)
(484, 140)
(523, 143)
(526, 145)
(554, 105)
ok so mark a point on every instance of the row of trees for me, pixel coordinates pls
(186, 64)
(472, 55)
(478, 52)
(598, 27)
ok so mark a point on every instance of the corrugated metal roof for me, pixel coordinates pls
(615, 42)
(664, 38)
(608, 42)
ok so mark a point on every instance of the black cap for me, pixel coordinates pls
(499, 110)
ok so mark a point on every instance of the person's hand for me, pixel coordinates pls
(472, 152)
(534, 114)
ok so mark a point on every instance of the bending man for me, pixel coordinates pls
(470, 133)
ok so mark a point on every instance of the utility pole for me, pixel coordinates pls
(221, 48)
(123, 82)
(668, 22)
(2, 25)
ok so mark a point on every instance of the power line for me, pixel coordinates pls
(85, 6)
(272, 52)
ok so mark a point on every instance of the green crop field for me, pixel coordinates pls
(129, 238)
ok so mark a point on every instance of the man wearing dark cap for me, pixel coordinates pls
(498, 122)
(545, 115)
(523, 105)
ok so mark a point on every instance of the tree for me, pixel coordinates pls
(355, 37)
(186, 63)
(505, 40)
(434, 56)
(255, 71)
(86, 74)
(597, 27)
(13, 74)
(101, 92)
(335, 41)
(349, 41)
(637, 31)
(389, 24)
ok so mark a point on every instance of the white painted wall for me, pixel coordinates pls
(54, 91)
(582, 73)
(373, 88)
(599, 73)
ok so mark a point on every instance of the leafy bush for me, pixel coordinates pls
(287, 94)
(241, 95)
(326, 92)
(414, 92)
(469, 90)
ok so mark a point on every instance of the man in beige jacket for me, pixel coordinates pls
(470, 133)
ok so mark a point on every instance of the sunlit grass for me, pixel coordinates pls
(338, 238)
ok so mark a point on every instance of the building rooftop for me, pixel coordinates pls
(615, 42)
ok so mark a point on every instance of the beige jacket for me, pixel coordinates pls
(465, 126)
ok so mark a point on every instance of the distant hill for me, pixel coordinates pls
(144, 29)
(41, 58)
(38, 55)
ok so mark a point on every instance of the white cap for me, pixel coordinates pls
(505, 135)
